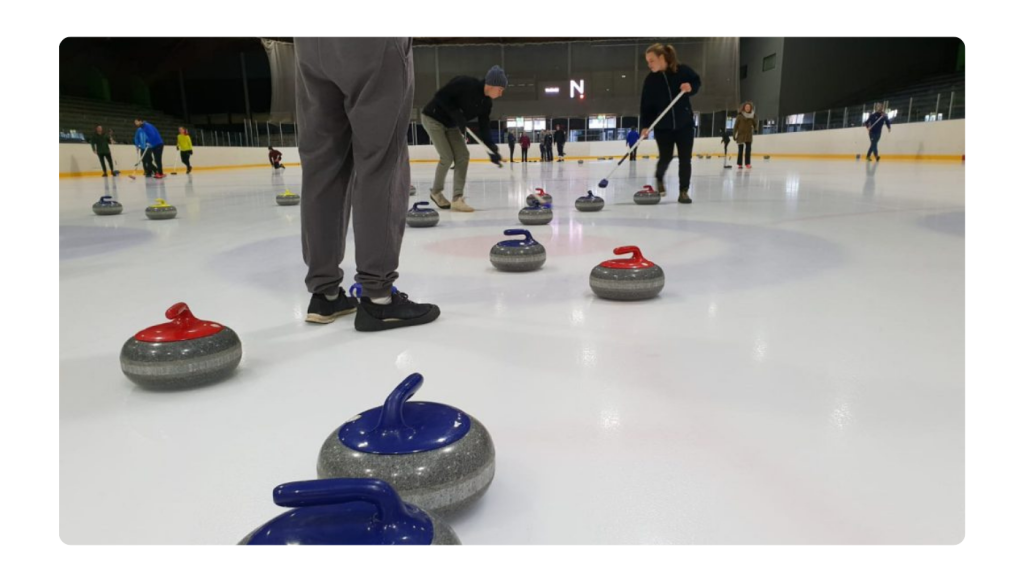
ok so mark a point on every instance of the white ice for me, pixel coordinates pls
(799, 380)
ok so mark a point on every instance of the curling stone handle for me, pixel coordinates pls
(541, 190)
(179, 312)
(648, 188)
(420, 205)
(106, 199)
(520, 232)
(590, 194)
(335, 491)
(637, 256)
(391, 415)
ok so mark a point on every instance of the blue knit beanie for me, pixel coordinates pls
(496, 77)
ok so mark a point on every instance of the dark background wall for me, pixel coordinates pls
(612, 71)
(812, 74)
(827, 72)
(148, 72)
(761, 87)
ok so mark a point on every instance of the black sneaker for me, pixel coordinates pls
(323, 310)
(399, 313)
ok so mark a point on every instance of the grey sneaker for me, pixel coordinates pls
(459, 205)
(440, 200)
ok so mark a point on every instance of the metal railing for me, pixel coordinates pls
(919, 108)
(246, 134)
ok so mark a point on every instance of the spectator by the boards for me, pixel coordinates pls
(185, 148)
(743, 132)
(100, 143)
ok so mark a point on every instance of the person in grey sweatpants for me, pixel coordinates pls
(354, 97)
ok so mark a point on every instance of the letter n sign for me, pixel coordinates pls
(577, 87)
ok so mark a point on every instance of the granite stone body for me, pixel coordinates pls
(181, 364)
(420, 216)
(647, 196)
(107, 207)
(535, 215)
(589, 203)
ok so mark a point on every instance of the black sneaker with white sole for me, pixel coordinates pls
(323, 310)
(401, 312)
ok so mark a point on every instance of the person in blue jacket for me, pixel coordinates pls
(151, 145)
(631, 140)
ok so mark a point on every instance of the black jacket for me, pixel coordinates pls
(560, 136)
(459, 101)
(511, 139)
(659, 90)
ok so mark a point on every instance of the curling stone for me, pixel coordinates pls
(580, 162)
(535, 212)
(627, 279)
(419, 216)
(646, 157)
(181, 353)
(412, 190)
(647, 197)
(435, 456)
(766, 158)
(107, 206)
(590, 203)
(161, 210)
(348, 512)
(518, 255)
(289, 198)
(858, 157)
(541, 195)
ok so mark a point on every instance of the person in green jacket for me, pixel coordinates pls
(185, 148)
(101, 147)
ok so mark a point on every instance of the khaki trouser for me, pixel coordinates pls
(451, 147)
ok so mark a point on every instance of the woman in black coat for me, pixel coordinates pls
(675, 130)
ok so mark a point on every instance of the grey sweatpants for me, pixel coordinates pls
(451, 146)
(354, 97)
